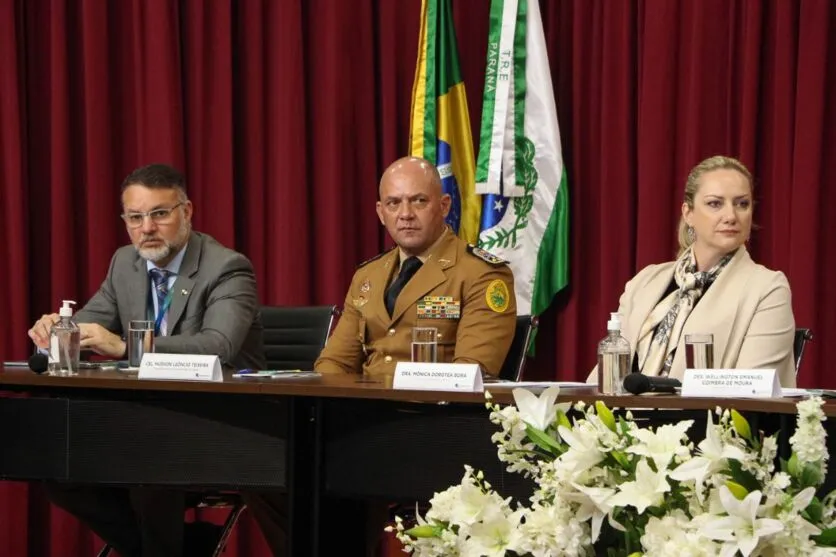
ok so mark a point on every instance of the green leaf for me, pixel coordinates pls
(741, 426)
(623, 425)
(543, 440)
(605, 415)
(425, 531)
(810, 476)
(826, 538)
(563, 420)
(742, 477)
(621, 459)
(793, 466)
(784, 465)
(737, 490)
(815, 511)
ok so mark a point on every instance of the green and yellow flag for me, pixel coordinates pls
(440, 126)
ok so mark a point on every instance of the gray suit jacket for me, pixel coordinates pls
(214, 309)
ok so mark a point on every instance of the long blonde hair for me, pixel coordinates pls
(692, 185)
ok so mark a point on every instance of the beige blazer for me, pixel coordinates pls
(748, 309)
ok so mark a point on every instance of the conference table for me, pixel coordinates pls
(335, 436)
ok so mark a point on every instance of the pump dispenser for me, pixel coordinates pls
(64, 342)
(613, 358)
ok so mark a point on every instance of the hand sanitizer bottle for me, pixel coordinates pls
(64, 343)
(613, 359)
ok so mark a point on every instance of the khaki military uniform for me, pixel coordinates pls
(464, 292)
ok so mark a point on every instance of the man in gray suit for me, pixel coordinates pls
(202, 298)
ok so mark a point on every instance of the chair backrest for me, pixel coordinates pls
(514, 365)
(801, 338)
(295, 335)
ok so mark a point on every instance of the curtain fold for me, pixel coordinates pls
(283, 114)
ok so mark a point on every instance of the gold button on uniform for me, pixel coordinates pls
(391, 332)
(387, 359)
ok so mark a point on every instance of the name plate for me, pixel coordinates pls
(417, 376)
(731, 383)
(180, 367)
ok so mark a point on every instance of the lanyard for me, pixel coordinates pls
(161, 313)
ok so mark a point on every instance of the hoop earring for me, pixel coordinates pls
(692, 236)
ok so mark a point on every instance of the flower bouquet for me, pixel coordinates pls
(605, 486)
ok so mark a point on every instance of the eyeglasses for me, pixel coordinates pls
(158, 216)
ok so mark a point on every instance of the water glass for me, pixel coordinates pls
(699, 351)
(424, 344)
(140, 341)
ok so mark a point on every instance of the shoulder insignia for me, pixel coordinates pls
(497, 296)
(375, 258)
(485, 255)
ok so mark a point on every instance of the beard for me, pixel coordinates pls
(168, 248)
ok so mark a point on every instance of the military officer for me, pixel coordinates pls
(430, 279)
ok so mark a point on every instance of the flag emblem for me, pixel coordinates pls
(497, 296)
(520, 171)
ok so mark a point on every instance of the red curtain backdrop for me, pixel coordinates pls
(283, 113)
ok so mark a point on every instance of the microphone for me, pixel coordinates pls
(38, 362)
(637, 384)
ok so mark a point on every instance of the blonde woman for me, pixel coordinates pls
(712, 287)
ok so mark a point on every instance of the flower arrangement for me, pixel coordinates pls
(605, 486)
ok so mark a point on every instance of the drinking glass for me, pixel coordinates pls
(424, 344)
(140, 341)
(699, 351)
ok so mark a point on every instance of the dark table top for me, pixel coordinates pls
(359, 387)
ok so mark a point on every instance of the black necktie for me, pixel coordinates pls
(409, 268)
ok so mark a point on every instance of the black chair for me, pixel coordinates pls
(295, 335)
(801, 338)
(204, 539)
(514, 365)
(293, 338)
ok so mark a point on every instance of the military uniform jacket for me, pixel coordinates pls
(464, 292)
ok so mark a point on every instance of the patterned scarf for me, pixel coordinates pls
(661, 330)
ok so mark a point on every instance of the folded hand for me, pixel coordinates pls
(101, 341)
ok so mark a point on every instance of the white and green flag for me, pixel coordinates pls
(520, 168)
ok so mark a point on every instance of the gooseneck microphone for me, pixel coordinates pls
(637, 384)
(38, 362)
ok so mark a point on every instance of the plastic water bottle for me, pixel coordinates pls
(613, 359)
(64, 343)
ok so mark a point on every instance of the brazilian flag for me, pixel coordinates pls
(440, 124)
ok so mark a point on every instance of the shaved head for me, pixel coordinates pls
(413, 206)
(415, 168)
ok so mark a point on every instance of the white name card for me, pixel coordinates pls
(180, 367)
(417, 376)
(731, 383)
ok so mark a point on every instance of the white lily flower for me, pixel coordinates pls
(646, 491)
(538, 412)
(712, 456)
(661, 445)
(594, 503)
(583, 452)
(741, 529)
(473, 506)
(491, 538)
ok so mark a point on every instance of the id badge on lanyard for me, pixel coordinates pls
(161, 313)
